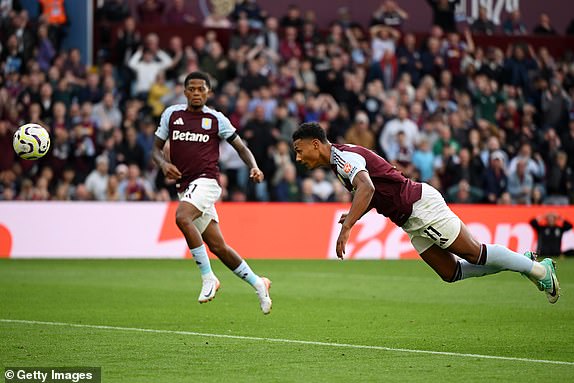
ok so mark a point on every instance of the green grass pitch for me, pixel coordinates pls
(496, 328)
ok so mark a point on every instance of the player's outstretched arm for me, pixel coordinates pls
(168, 169)
(364, 190)
(254, 172)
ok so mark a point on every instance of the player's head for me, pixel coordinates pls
(310, 130)
(196, 89)
(197, 76)
(309, 142)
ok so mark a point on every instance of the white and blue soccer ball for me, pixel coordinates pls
(31, 141)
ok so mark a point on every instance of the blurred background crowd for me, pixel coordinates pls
(481, 123)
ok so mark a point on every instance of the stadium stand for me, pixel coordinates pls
(483, 117)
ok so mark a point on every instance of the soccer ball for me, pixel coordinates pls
(31, 141)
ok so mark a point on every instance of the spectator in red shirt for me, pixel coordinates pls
(177, 14)
(150, 11)
(289, 46)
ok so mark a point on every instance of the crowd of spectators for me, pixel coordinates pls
(482, 124)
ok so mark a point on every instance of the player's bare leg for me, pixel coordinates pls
(185, 214)
(216, 243)
(442, 262)
(466, 247)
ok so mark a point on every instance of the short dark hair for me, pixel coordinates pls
(197, 76)
(310, 130)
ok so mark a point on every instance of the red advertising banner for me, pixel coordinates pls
(255, 230)
(310, 231)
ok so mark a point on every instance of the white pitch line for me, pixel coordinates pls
(292, 341)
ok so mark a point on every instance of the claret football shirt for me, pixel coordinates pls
(194, 141)
(394, 193)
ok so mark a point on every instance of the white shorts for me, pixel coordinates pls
(202, 193)
(431, 222)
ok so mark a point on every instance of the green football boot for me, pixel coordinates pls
(550, 283)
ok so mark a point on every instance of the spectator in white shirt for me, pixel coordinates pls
(106, 112)
(322, 188)
(97, 180)
(383, 40)
(146, 66)
(534, 164)
(394, 126)
(233, 166)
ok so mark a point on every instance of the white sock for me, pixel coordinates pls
(244, 272)
(470, 270)
(506, 259)
(538, 271)
(202, 261)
